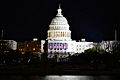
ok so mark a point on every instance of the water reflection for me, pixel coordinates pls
(68, 78)
(56, 77)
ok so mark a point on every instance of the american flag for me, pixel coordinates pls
(54, 46)
(65, 46)
(57, 45)
(61, 46)
(50, 45)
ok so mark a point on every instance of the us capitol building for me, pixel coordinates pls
(59, 38)
(59, 42)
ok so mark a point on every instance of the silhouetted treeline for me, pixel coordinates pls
(96, 58)
(90, 56)
(10, 57)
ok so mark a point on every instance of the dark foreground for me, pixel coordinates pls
(58, 69)
(59, 77)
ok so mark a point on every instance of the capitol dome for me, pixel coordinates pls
(59, 28)
(59, 19)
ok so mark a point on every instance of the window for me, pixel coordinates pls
(27, 45)
(33, 49)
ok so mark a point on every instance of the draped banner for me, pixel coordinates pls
(58, 46)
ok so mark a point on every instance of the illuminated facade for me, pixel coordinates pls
(8, 44)
(59, 28)
(59, 42)
(59, 38)
(83, 45)
(108, 46)
(34, 46)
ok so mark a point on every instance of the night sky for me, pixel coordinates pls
(94, 20)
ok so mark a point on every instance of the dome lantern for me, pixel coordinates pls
(59, 11)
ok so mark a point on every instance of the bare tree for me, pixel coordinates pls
(110, 46)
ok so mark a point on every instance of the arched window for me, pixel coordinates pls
(61, 34)
(48, 34)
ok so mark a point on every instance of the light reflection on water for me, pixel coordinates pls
(57, 77)
(67, 78)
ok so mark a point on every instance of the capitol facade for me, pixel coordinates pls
(59, 42)
(59, 38)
